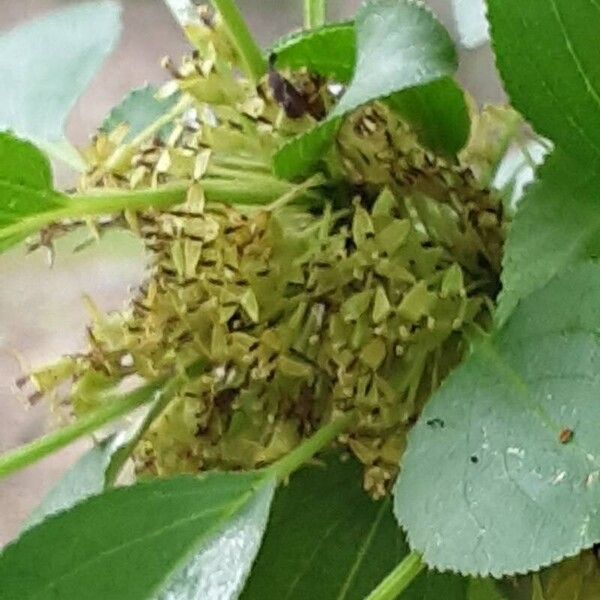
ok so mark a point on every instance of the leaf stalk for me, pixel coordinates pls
(240, 36)
(164, 397)
(115, 408)
(315, 13)
(285, 466)
(228, 186)
(399, 579)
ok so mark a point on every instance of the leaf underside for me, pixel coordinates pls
(219, 571)
(494, 491)
(86, 478)
(45, 65)
(129, 542)
(139, 109)
(557, 225)
(437, 112)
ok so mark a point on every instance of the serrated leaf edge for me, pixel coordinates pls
(297, 38)
(444, 567)
(339, 115)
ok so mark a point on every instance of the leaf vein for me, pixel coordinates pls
(134, 542)
(363, 551)
(313, 555)
(571, 50)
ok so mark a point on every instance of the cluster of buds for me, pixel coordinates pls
(299, 313)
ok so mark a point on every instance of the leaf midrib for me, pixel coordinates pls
(234, 509)
(571, 50)
(495, 357)
(526, 56)
(306, 567)
(363, 550)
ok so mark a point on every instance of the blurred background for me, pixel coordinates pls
(41, 310)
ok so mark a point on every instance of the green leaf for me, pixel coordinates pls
(86, 478)
(327, 539)
(98, 468)
(483, 589)
(25, 188)
(438, 113)
(547, 53)
(400, 45)
(577, 578)
(220, 570)
(133, 542)
(329, 51)
(45, 66)
(302, 154)
(557, 224)
(433, 586)
(139, 109)
(502, 488)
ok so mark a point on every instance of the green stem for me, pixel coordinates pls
(235, 161)
(243, 190)
(285, 466)
(165, 395)
(240, 36)
(228, 172)
(399, 579)
(120, 457)
(296, 192)
(314, 13)
(107, 201)
(104, 202)
(253, 188)
(114, 408)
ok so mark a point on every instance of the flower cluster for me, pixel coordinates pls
(357, 297)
